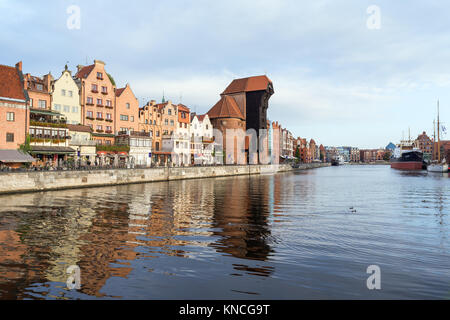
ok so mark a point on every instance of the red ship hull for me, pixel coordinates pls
(406, 165)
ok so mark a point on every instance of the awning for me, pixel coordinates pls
(51, 150)
(15, 156)
(46, 112)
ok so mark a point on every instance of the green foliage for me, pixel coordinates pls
(112, 148)
(297, 153)
(111, 79)
(387, 156)
(47, 124)
(26, 147)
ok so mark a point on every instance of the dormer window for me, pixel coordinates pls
(40, 87)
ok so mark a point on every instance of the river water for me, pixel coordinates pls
(297, 235)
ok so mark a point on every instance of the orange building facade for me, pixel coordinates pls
(97, 95)
(126, 111)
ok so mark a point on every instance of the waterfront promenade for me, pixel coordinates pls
(16, 182)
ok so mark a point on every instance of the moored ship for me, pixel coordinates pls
(407, 157)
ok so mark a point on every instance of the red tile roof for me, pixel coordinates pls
(225, 108)
(120, 91)
(10, 84)
(182, 107)
(256, 83)
(78, 128)
(201, 117)
(85, 71)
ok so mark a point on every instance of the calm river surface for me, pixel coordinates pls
(301, 235)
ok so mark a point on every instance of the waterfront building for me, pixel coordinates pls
(250, 96)
(169, 123)
(391, 147)
(224, 115)
(323, 154)
(13, 116)
(202, 141)
(182, 137)
(65, 97)
(140, 147)
(49, 137)
(313, 150)
(13, 107)
(126, 111)
(275, 144)
(369, 155)
(38, 91)
(83, 144)
(425, 144)
(97, 100)
(150, 121)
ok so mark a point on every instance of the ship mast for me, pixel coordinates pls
(439, 139)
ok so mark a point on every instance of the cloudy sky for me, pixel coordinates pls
(336, 80)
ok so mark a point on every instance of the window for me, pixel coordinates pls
(70, 93)
(132, 118)
(108, 116)
(74, 109)
(207, 127)
(128, 106)
(66, 109)
(99, 127)
(99, 102)
(57, 107)
(10, 116)
(154, 121)
(185, 125)
(169, 112)
(42, 104)
(100, 75)
(9, 137)
(146, 121)
(104, 89)
(99, 115)
(89, 114)
(108, 103)
(90, 100)
(166, 122)
(181, 125)
(63, 92)
(31, 102)
(108, 128)
(40, 87)
(94, 88)
(123, 117)
(157, 133)
(171, 122)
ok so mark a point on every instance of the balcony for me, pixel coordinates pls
(94, 91)
(90, 118)
(108, 131)
(48, 124)
(100, 105)
(109, 107)
(99, 131)
(105, 92)
(108, 120)
(99, 78)
(99, 119)
(90, 103)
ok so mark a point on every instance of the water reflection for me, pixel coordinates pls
(288, 230)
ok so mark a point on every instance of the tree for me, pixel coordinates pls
(297, 153)
(387, 156)
(26, 147)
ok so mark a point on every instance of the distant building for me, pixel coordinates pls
(391, 147)
(425, 144)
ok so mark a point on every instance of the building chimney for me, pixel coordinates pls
(19, 65)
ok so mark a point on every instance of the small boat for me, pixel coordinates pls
(438, 165)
